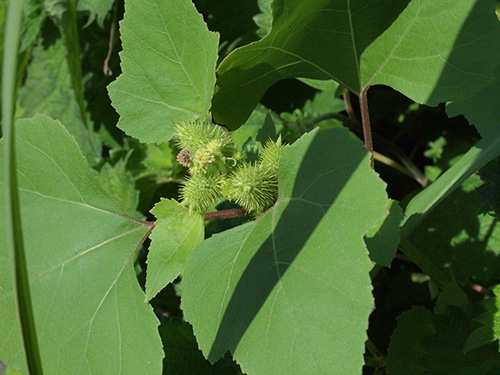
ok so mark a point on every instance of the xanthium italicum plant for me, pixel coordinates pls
(217, 168)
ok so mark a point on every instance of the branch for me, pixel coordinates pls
(365, 119)
(225, 214)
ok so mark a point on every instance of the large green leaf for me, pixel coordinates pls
(430, 50)
(382, 241)
(89, 310)
(290, 292)
(168, 63)
(482, 109)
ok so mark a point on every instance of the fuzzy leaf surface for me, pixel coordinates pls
(290, 292)
(429, 50)
(481, 109)
(88, 306)
(168, 64)
(176, 234)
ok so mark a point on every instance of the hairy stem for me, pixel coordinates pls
(225, 214)
(365, 119)
(142, 222)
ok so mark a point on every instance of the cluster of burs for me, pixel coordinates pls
(218, 169)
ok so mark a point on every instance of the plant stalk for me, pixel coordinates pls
(20, 282)
(365, 119)
(225, 214)
(348, 106)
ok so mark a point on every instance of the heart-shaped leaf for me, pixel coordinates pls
(430, 50)
(89, 308)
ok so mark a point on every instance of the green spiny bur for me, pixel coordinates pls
(271, 154)
(201, 190)
(197, 134)
(217, 169)
(254, 188)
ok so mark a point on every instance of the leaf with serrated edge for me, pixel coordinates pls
(405, 347)
(47, 89)
(290, 292)
(429, 50)
(481, 109)
(168, 63)
(383, 240)
(177, 232)
(89, 309)
(98, 9)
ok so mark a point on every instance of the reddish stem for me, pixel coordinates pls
(225, 214)
(105, 67)
(365, 119)
(145, 223)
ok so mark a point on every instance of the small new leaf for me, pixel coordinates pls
(177, 232)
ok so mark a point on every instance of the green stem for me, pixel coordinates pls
(20, 285)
